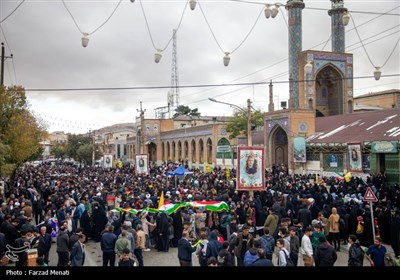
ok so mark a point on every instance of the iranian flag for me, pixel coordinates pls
(170, 208)
(211, 205)
(339, 176)
(128, 210)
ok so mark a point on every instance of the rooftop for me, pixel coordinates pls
(383, 125)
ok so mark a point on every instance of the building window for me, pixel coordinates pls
(118, 151)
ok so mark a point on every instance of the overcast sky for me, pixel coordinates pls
(48, 54)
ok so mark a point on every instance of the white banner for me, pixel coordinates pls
(108, 160)
(142, 164)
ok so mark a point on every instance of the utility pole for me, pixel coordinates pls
(249, 134)
(93, 149)
(3, 58)
(141, 138)
(2, 64)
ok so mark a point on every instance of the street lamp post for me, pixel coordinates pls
(248, 114)
(93, 150)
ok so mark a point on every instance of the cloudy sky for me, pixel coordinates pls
(48, 54)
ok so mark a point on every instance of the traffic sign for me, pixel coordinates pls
(370, 196)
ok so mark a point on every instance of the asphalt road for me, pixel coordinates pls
(93, 257)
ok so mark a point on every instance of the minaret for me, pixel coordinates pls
(271, 97)
(294, 8)
(336, 13)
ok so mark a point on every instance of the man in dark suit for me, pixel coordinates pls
(78, 252)
(185, 250)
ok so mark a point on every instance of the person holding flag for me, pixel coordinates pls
(161, 230)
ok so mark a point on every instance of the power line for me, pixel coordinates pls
(362, 44)
(101, 25)
(16, 8)
(316, 9)
(188, 86)
(12, 57)
(149, 31)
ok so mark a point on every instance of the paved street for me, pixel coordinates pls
(154, 258)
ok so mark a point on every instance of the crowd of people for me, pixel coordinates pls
(295, 217)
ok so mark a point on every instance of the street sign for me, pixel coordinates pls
(224, 149)
(370, 196)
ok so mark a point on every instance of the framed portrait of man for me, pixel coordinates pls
(142, 164)
(299, 151)
(354, 157)
(250, 168)
(333, 160)
(108, 161)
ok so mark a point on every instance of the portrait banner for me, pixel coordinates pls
(355, 157)
(142, 164)
(250, 169)
(108, 161)
(333, 160)
(299, 144)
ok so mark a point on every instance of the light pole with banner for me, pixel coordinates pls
(249, 135)
(248, 112)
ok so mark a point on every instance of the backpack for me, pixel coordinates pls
(202, 256)
(268, 244)
(289, 261)
(389, 260)
(221, 260)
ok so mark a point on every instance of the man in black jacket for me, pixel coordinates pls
(185, 250)
(108, 240)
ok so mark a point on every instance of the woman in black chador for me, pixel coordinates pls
(162, 232)
(99, 221)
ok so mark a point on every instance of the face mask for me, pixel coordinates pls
(348, 246)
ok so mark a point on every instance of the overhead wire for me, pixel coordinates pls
(149, 31)
(101, 25)
(12, 57)
(12, 12)
(365, 50)
(249, 32)
(215, 38)
(185, 86)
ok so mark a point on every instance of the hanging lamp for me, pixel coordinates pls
(85, 40)
(192, 4)
(157, 56)
(226, 59)
(377, 73)
(345, 18)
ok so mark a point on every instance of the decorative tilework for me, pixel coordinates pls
(295, 46)
(284, 123)
(338, 37)
(318, 64)
(349, 77)
(330, 57)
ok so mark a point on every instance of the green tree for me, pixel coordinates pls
(23, 138)
(237, 124)
(185, 110)
(12, 101)
(58, 151)
(84, 153)
(20, 131)
(4, 153)
(74, 143)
